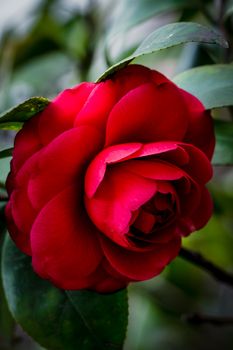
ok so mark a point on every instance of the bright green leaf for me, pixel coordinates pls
(6, 153)
(15, 126)
(223, 154)
(59, 319)
(24, 111)
(168, 36)
(212, 84)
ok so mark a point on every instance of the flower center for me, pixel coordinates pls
(157, 213)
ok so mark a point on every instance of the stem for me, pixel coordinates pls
(214, 270)
(197, 318)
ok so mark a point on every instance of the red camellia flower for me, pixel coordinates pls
(106, 181)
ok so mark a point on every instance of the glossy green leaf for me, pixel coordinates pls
(6, 153)
(58, 319)
(14, 117)
(223, 154)
(106, 317)
(168, 36)
(212, 84)
(7, 323)
(131, 12)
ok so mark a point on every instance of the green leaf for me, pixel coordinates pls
(223, 154)
(15, 126)
(59, 319)
(6, 153)
(5, 169)
(131, 12)
(212, 84)
(7, 323)
(14, 117)
(168, 36)
(110, 330)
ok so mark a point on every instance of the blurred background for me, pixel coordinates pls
(49, 45)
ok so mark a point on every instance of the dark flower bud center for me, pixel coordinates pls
(152, 217)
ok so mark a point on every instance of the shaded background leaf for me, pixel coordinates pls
(223, 154)
(131, 13)
(212, 84)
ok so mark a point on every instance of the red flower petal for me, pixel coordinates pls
(167, 150)
(204, 211)
(154, 169)
(27, 170)
(148, 114)
(108, 285)
(189, 201)
(96, 170)
(140, 265)
(61, 112)
(107, 280)
(161, 150)
(200, 130)
(65, 247)
(21, 239)
(200, 214)
(98, 106)
(22, 212)
(62, 162)
(27, 142)
(198, 167)
(118, 196)
(135, 75)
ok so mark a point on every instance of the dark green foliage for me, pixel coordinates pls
(58, 319)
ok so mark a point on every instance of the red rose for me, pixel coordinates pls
(108, 178)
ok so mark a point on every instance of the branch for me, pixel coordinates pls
(197, 318)
(200, 261)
